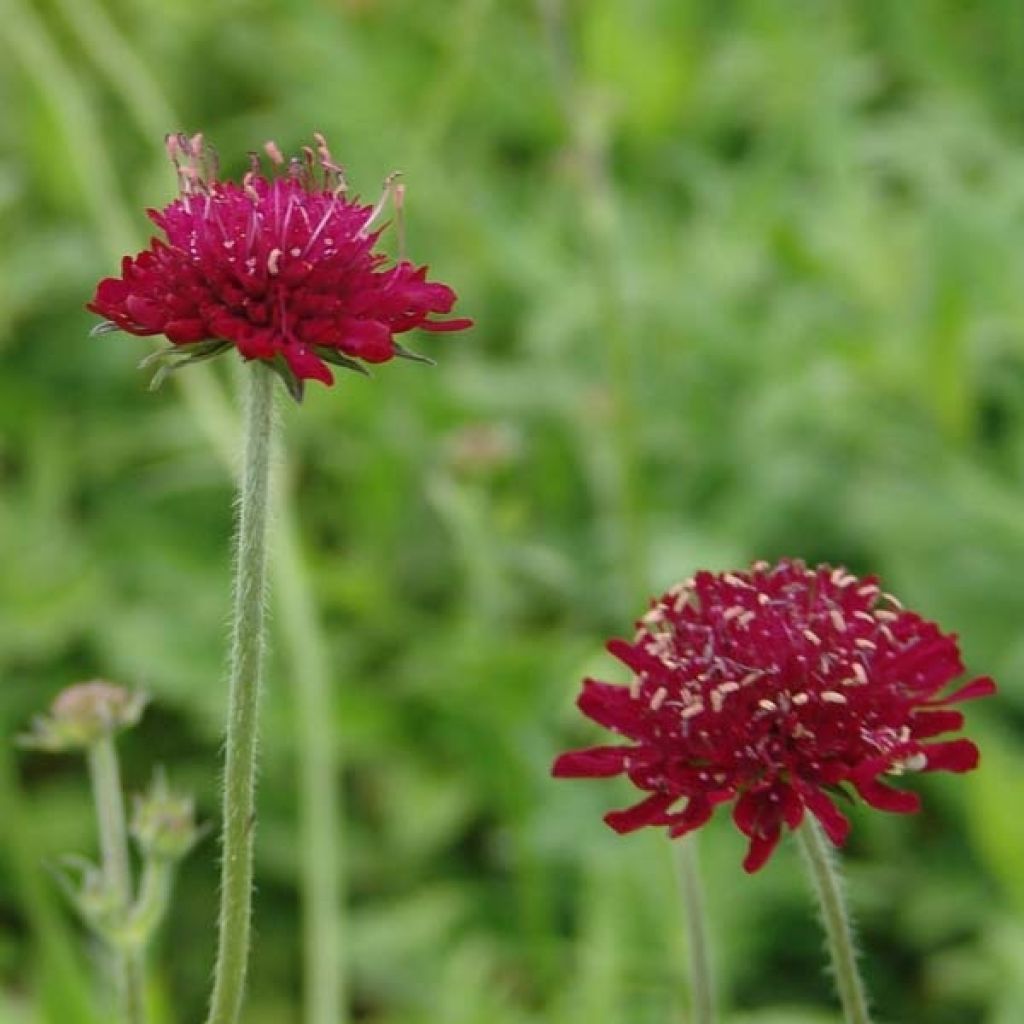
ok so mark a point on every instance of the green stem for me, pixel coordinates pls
(701, 989)
(828, 886)
(150, 908)
(244, 699)
(320, 807)
(110, 818)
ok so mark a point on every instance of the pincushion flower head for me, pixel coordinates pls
(283, 268)
(779, 689)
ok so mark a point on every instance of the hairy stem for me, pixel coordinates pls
(247, 647)
(151, 906)
(701, 990)
(110, 818)
(828, 887)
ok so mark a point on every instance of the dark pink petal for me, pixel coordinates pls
(438, 326)
(648, 812)
(592, 763)
(181, 332)
(305, 365)
(367, 339)
(761, 847)
(145, 312)
(925, 724)
(634, 657)
(698, 811)
(111, 291)
(954, 756)
(929, 663)
(252, 343)
(984, 686)
(756, 811)
(792, 806)
(608, 705)
(885, 798)
(833, 821)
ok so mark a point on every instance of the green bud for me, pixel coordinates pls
(89, 892)
(163, 822)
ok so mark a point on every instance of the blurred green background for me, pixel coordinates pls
(747, 279)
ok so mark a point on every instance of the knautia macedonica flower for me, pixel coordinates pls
(283, 268)
(777, 688)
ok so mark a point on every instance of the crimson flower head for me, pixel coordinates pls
(281, 267)
(778, 688)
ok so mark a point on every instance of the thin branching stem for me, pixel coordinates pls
(105, 774)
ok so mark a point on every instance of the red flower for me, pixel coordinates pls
(282, 268)
(775, 688)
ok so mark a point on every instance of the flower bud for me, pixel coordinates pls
(163, 823)
(89, 891)
(84, 713)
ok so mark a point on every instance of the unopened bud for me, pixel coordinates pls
(83, 714)
(164, 822)
(89, 891)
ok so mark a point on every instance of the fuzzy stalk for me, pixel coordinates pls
(151, 906)
(702, 1001)
(834, 915)
(105, 775)
(247, 650)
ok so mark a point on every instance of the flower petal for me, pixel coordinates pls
(954, 756)
(925, 724)
(367, 339)
(609, 705)
(648, 812)
(833, 821)
(983, 686)
(438, 326)
(697, 812)
(885, 798)
(182, 332)
(305, 365)
(633, 656)
(760, 849)
(591, 763)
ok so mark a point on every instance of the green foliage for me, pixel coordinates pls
(746, 279)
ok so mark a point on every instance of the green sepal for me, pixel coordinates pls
(333, 356)
(176, 356)
(106, 327)
(295, 385)
(404, 353)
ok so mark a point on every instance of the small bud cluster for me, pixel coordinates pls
(86, 717)
(83, 714)
(164, 823)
